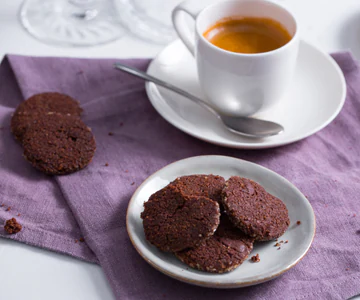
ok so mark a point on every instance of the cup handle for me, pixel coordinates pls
(192, 8)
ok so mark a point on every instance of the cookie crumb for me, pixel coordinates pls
(255, 258)
(76, 241)
(277, 245)
(12, 226)
(126, 171)
(286, 241)
(347, 269)
(111, 133)
(106, 165)
(279, 248)
(298, 222)
(281, 241)
(2, 205)
(81, 240)
(18, 215)
(132, 183)
(8, 209)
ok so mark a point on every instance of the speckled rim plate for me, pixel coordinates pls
(273, 262)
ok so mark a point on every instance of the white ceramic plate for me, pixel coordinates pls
(313, 100)
(273, 262)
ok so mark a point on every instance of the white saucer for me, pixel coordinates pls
(273, 262)
(313, 100)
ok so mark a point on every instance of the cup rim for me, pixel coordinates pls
(288, 44)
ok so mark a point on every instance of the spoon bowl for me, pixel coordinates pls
(246, 126)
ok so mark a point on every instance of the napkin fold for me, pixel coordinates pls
(57, 211)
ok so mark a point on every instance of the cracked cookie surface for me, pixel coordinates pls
(209, 186)
(222, 252)
(173, 222)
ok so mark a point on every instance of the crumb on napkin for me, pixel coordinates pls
(12, 226)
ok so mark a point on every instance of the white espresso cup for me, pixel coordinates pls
(238, 84)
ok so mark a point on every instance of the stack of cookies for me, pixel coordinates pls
(211, 224)
(55, 140)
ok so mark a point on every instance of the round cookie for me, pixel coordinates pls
(223, 252)
(209, 186)
(253, 210)
(58, 144)
(41, 104)
(173, 222)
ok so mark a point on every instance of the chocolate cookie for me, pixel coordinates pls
(223, 252)
(209, 186)
(253, 210)
(41, 104)
(173, 222)
(58, 144)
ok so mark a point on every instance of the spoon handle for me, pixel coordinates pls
(143, 75)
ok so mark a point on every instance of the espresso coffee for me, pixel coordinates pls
(248, 35)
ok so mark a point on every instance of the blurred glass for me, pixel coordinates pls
(149, 19)
(72, 22)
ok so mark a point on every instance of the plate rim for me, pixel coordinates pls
(203, 283)
(244, 145)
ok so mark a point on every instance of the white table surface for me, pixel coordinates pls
(331, 25)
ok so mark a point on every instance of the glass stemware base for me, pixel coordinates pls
(149, 19)
(72, 22)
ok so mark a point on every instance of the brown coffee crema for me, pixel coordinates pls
(248, 35)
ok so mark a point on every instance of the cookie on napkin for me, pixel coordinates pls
(58, 144)
(41, 104)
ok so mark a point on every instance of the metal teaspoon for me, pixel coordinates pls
(246, 126)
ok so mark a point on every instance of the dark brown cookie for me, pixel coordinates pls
(58, 144)
(41, 104)
(209, 186)
(173, 222)
(12, 226)
(253, 210)
(223, 252)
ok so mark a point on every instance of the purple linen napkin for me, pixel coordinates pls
(35, 200)
(324, 166)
